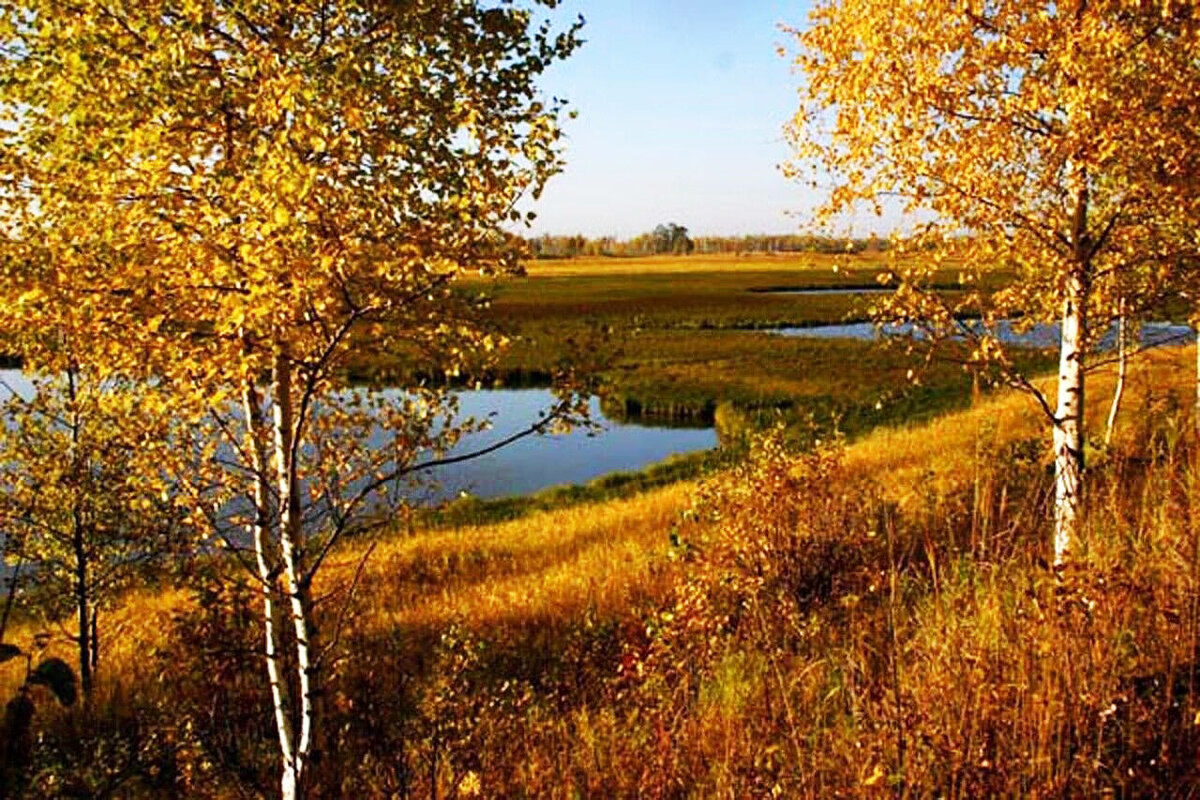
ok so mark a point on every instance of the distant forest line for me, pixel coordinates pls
(672, 239)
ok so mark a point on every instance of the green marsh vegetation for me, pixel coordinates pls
(681, 337)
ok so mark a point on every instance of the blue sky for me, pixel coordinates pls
(681, 109)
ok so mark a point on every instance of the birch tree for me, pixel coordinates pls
(1007, 125)
(239, 197)
(85, 499)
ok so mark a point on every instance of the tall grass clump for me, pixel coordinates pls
(825, 643)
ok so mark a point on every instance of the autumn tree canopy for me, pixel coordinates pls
(227, 198)
(1041, 138)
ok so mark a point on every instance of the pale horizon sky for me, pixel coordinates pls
(682, 105)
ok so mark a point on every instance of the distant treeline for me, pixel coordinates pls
(672, 239)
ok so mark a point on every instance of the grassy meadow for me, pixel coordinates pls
(682, 340)
(679, 336)
(865, 619)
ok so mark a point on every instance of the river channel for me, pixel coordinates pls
(540, 462)
(1041, 335)
(536, 462)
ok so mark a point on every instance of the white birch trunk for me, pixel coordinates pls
(1068, 424)
(279, 693)
(1068, 416)
(1122, 372)
(289, 542)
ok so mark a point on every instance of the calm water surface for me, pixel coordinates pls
(1041, 335)
(533, 463)
(539, 462)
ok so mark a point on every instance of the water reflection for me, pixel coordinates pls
(540, 462)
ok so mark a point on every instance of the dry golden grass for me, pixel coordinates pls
(772, 656)
(806, 640)
(553, 564)
(937, 457)
(556, 563)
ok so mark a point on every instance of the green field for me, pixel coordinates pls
(689, 292)
(680, 337)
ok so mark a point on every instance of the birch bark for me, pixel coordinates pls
(1068, 416)
(255, 426)
(291, 551)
